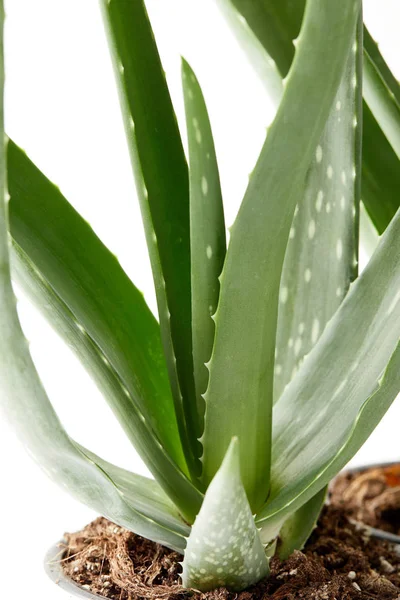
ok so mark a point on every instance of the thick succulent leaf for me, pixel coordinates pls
(144, 495)
(344, 369)
(298, 527)
(264, 65)
(90, 281)
(273, 25)
(382, 93)
(369, 237)
(24, 403)
(380, 174)
(324, 231)
(239, 396)
(163, 188)
(224, 546)
(136, 426)
(207, 228)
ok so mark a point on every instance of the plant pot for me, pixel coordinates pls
(54, 569)
(377, 533)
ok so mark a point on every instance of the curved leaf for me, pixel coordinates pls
(144, 495)
(345, 369)
(239, 396)
(325, 227)
(380, 174)
(224, 546)
(207, 229)
(382, 93)
(273, 25)
(298, 527)
(90, 281)
(137, 427)
(163, 188)
(25, 404)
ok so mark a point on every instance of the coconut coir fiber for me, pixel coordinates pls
(339, 562)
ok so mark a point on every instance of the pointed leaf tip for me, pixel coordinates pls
(224, 547)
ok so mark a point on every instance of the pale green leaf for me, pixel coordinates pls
(207, 228)
(24, 403)
(224, 546)
(144, 495)
(239, 397)
(162, 182)
(88, 279)
(318, 413)
(382, 93)
(138, 428)
(298, 527)
(267, 31)
(321, 256)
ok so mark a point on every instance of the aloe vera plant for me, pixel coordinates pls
(272, 359)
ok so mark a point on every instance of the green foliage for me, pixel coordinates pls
(267, 30)
(272, 360)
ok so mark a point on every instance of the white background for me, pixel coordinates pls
(61, 107)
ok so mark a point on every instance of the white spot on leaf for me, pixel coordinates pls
(339, 249)
(311, 229)
(315, 331)
(284, 293)
(320, 197)
(204, 186)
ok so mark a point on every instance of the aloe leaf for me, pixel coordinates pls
(161, 174)
(345, 369)
(382, 93)
(207, 228)
(272, 25)
(27, 407)
(324, 231)
(224, 546)
(380, 174)
(52, 302)
(239, 396)
(298, 527)
(144, 495)
(261, 61)
(368, 235)
(98, 293)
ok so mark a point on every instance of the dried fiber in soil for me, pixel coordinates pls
(371, 496)
(338, 563)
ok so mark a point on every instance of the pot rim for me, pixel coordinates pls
(54, 570)
(373, 532)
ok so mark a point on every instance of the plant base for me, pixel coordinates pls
(340, 561)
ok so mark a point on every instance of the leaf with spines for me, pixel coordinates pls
(162, 182)
(207, 228)
(273, 26)
(239, 396)
(145, 496)
(324, 230)
(224, 546)
(60, 262)
(24, 402)
(347, 367)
